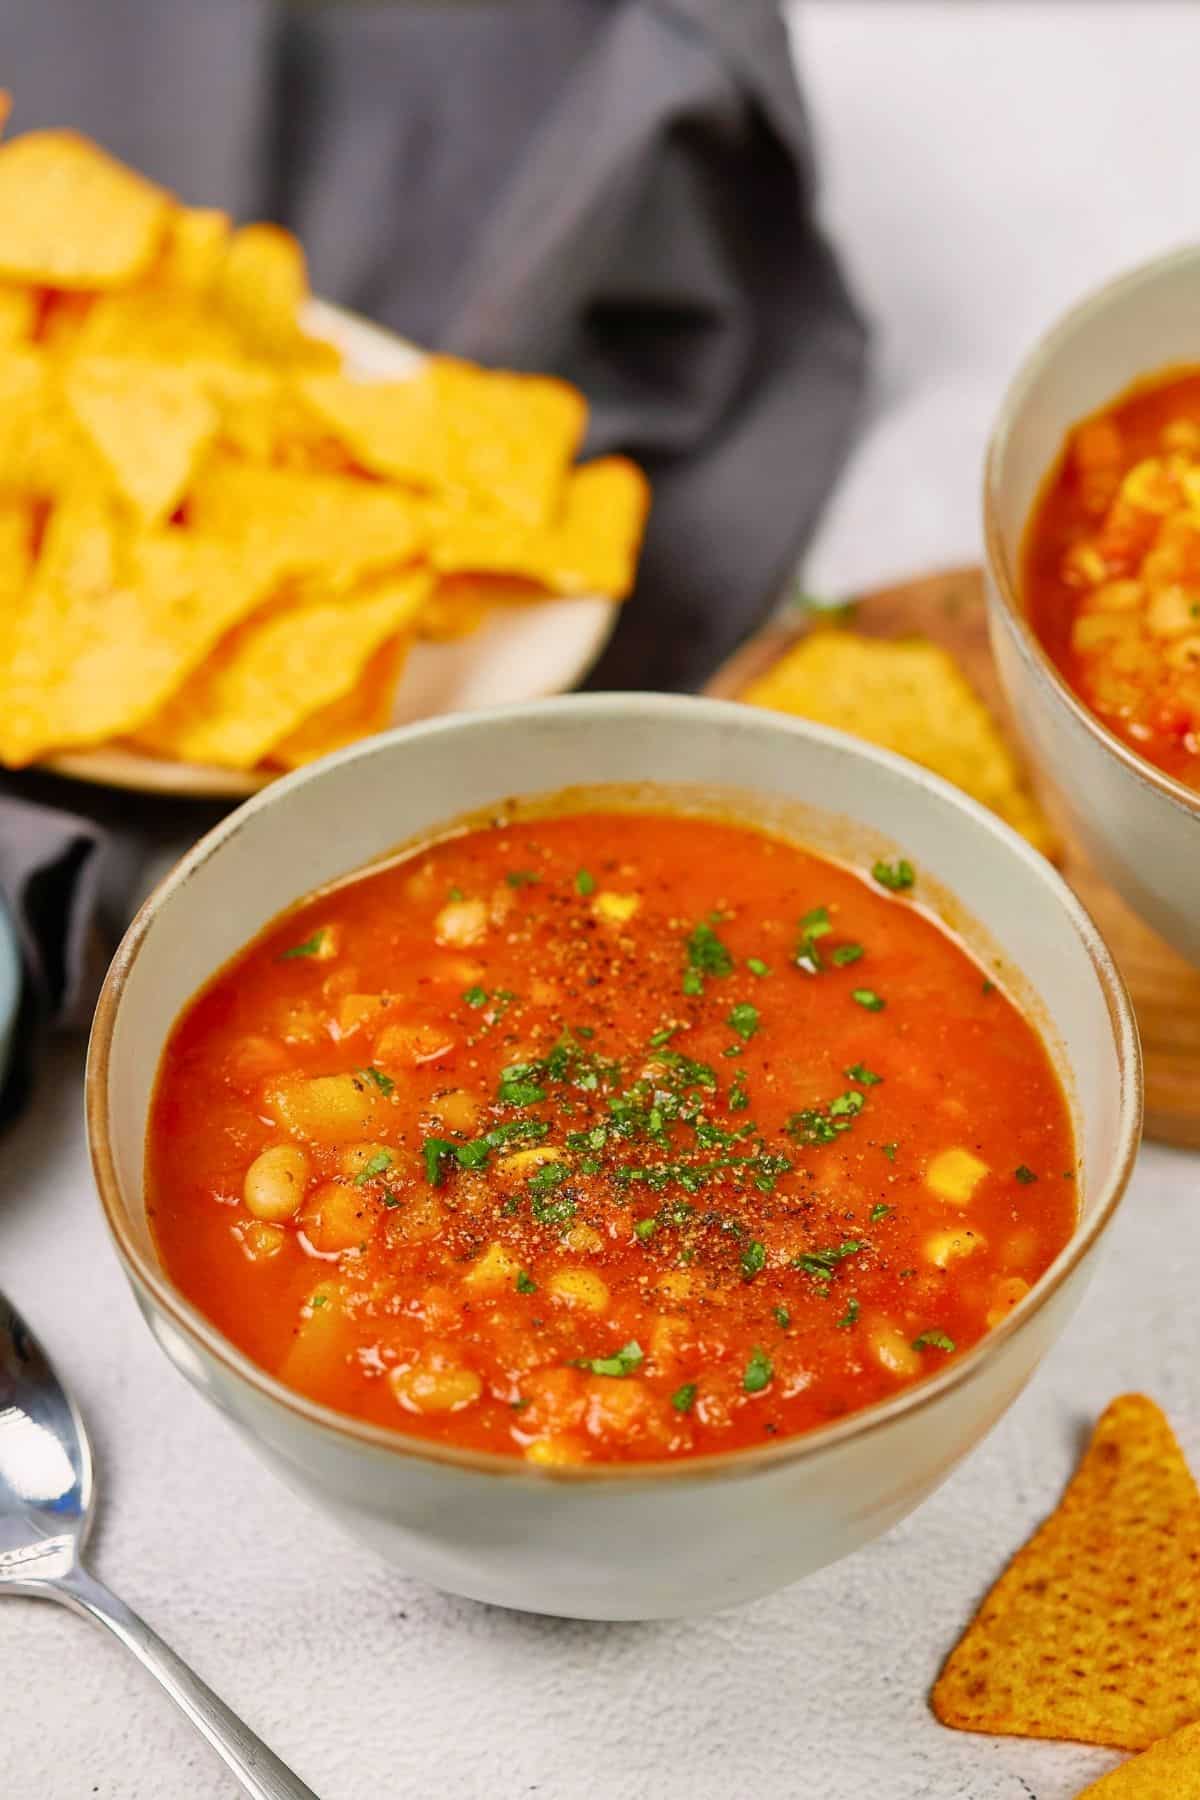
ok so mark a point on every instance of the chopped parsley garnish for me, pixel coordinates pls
(517, 1088)
(585, 883)
(889, 1150)
(849, 1317)
(455, 893)
(753, 1259)
(869, 998)
(933, 1340)
(783, 1317)
(813, 1125)
(475, 996)
(381, 1160)
(391, 1200)
(897, 876)
(662, 1036)
(645, 1228)
(847, 953)
(319, 1300)
(383, 1082)
(989, 987)
(684, 1398)
(744, 1020)
(473, 1155)
(757, 966)
(739, 1097)
(864, 1076)
(626, 1360)
(519, 878)
(310, 947)
(813, 926)
(823, 1263)
(1024, 1174)
(526, 1284)
(706, 955)
(435, 1151)
(759, 1371)
(879, 1212)
(549, 1176)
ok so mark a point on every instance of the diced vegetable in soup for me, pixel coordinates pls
(1112, 569)
(608, 1136)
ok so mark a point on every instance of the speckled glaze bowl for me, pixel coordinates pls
(619, 1541)
(1141, 826)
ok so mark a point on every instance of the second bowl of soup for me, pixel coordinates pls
(611, 1197)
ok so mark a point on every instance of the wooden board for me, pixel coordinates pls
(950, 608)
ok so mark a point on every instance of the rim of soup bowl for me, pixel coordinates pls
(149, 1276)
(1005, 580)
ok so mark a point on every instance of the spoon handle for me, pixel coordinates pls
(258, 1769)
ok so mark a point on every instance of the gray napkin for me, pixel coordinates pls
(620, 191)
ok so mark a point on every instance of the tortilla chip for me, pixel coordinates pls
(20, 310)
(63, 318)
(1091, 1631)
(314, 521)
(149, 423)
(275, 671)
(590, 548)
(460, 604)
(194, 249)
(166, 326)
(1169, 1770)
(108, 628)
(366, 709)
(909, 696)
(71, 216)
(459, 429)
(262, 287)
(42, 450)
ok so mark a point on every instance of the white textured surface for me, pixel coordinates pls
(984, 163)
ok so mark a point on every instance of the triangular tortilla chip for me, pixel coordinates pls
(108, 628)
(269, 676)
(19, 311)
(367, 708)
(194, 249)
(1092, 1631)
(71, 216)
(329, 522)
(1169, 1770)
(456, 428)
(148, 421)
(590, 547)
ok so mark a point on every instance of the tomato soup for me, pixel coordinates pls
(1112, 569)
(607, 1136)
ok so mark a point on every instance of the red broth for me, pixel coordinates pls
(1112, 569)
(608, 1136)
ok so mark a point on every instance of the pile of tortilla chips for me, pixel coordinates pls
(910, 696)
(1093, 1630)
(216, 543)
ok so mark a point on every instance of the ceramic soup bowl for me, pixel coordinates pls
(649, 1540)
(1140, 825)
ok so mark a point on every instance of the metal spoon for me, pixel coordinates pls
(46, 1494)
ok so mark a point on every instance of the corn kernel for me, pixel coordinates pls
(583, 1240)
(582, 1288)
(512, 1170)
(893, 1350)
(954, 1175)
(615, 909)
(555, 1452)
(494, 1271)
(427, 1390)
(945, 1247)
(461, 923)
(1008, 1293)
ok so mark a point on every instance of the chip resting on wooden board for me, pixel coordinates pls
(1091, 1633)
(73, 217)
(1169, 1770)
(454, 428)
(589, 547)
(300, 655)
(148, 422)
(910, 696)
(107, 628)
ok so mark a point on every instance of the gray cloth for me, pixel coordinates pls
(620, 191)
